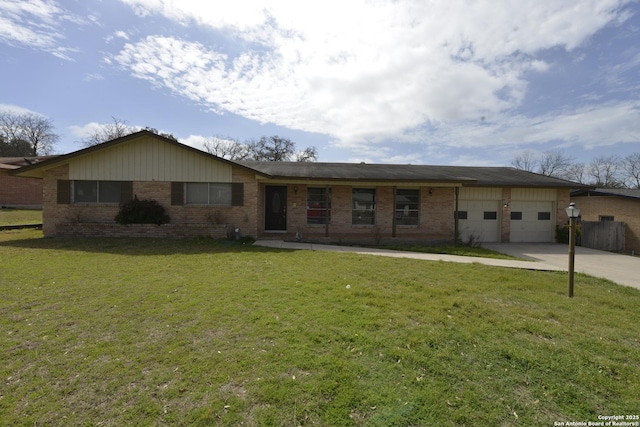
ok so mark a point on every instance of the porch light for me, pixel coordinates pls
(572, 211)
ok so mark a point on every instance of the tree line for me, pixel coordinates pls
(604, 171)
(28, 134)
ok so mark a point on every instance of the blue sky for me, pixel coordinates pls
(450, 82)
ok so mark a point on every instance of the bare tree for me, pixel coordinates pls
(227, 148)
(273, 149)
(526, 161)
(555, 163)
(604, 172)
(267, 148)
(309, 154)
(550, 163)
(104, 133)
(26, 134)
(576, 173)
(38, 131)
(631, 167)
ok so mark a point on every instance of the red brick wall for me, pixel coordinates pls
(18, 191)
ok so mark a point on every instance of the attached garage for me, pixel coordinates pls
(479, 214)
(532, 216)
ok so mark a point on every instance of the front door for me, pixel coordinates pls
(275, 208)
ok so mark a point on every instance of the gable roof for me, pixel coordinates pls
(463, 175)
(620, 192)
(37, 170)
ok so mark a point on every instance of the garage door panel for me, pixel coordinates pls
(532, 221)
(482, 220)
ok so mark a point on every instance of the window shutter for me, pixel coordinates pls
(64, 192)
(237, 194)
(126, 191)
(177, 193)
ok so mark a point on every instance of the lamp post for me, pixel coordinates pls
(573, 213)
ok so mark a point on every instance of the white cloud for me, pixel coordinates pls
(86, 130)
(588, 126)
(35, 23)
(364, 70)
(14, 109)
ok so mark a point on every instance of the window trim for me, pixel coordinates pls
(324, 213)
(185, 194)
(372, 210)
(406, 210)
(125, 192)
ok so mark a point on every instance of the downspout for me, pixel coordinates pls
(456, 230)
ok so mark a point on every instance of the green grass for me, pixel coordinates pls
(20, 217)
(200, 332)
(461, 250)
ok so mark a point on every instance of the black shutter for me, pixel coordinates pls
(237, 194)
(64, 192)
(177, 193)
(126, 191)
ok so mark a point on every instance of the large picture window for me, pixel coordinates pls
(363, 209)
(407, 207)
(97, 191)
(208, 193)
(318, 206)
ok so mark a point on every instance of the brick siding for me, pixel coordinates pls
(622, 209)
(16, 191)
(436, 222)
(186, 221)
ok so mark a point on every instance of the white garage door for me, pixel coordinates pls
(532, 222)
(479, 220)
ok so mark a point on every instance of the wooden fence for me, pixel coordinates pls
(603, 235)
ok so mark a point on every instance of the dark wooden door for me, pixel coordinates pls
(275, 208)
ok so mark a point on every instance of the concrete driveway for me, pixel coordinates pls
(622, 269)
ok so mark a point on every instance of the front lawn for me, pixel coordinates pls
(119, 332)
(20, 216)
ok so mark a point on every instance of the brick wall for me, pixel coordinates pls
(202, 219)
(621, 209)
(20, 192)
(436, 217)
(140, 230)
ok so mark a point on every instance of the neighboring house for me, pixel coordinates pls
(19, 192)
(207, 195)
(609, 204)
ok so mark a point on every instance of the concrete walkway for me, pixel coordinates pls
(621, 269)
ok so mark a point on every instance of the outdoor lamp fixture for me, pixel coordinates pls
(572, 212)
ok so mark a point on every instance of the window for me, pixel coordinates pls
(605, 218)
(490, 215)
(544, 216)
(363, 209)
(516, 216)
(318, 206)
(463, 215)
(208, 193)
(407, 207)
(98, 191)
